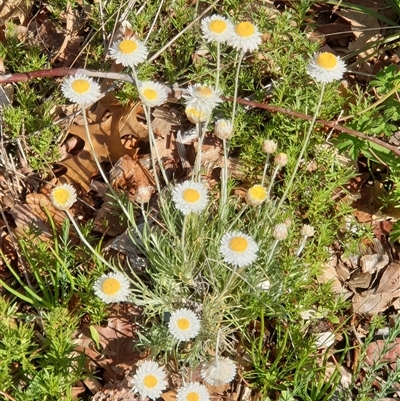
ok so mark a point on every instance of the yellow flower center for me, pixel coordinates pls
(150, 94)
(217, 26)
(127, 46)
(61, 196)
(80, 85)
(245, 29)
(111, 286)
(258, 192)
(238, 244)
(150, 381)
(191, 195)
(204, 91)
(192, 396)
(326, 60)
(183, 323)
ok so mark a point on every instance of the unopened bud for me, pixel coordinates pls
(269, 146)
(280, 232)
(223, 129)
(307, 231)
(281, 159)
(143, 194)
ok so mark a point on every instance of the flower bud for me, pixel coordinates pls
(223, 129)
(280, 232)
(307, 231)
(143, 194)
(281, 159)
(269, 146)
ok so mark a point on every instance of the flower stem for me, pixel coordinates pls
(301, 246)
(272, 181)
(84, 240)
(197, 164)
(265, 169)
(183, 237)
(218, 65)
(236, 88)
(224, 179)
(303, 149)
(272, 251)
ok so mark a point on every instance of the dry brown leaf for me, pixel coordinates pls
(108, 218)
(370, 303)
(130, 175)
(169, 395)
(32, 213)
(390, 281)
(165, 120)
(375, 352)
(107, 145)
(15, 9)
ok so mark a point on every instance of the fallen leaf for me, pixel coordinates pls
(107, 144)
(390, 281)
(370, 303)
(375, 353)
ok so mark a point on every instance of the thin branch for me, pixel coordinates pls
(331, 124)
(60, 72)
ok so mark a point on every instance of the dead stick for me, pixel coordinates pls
(276, 109)
(60, 72)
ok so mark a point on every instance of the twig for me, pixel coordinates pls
(60, 72)
(326, 123)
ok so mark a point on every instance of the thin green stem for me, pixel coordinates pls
(303, 149)
(265, 169)
(224, 180)
(271, 252)
(271, 183)
(218, 65)
(236, 88)
(154, 152)
(85, 241)
(185, 218)
(197, 164)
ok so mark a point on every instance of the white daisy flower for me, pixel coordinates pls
(196, 115)
(246, 37)
(218, 372)
(129, 52)
(203, 97)
(193, 392)
(184, 324)
(112, 287)
(326, 67)
(81, 89)
(216, 29)
(63, 196)
(238, 249)
(152, 93)
(256, 195)
(190, 197)
(149, 380)
(223, 129)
